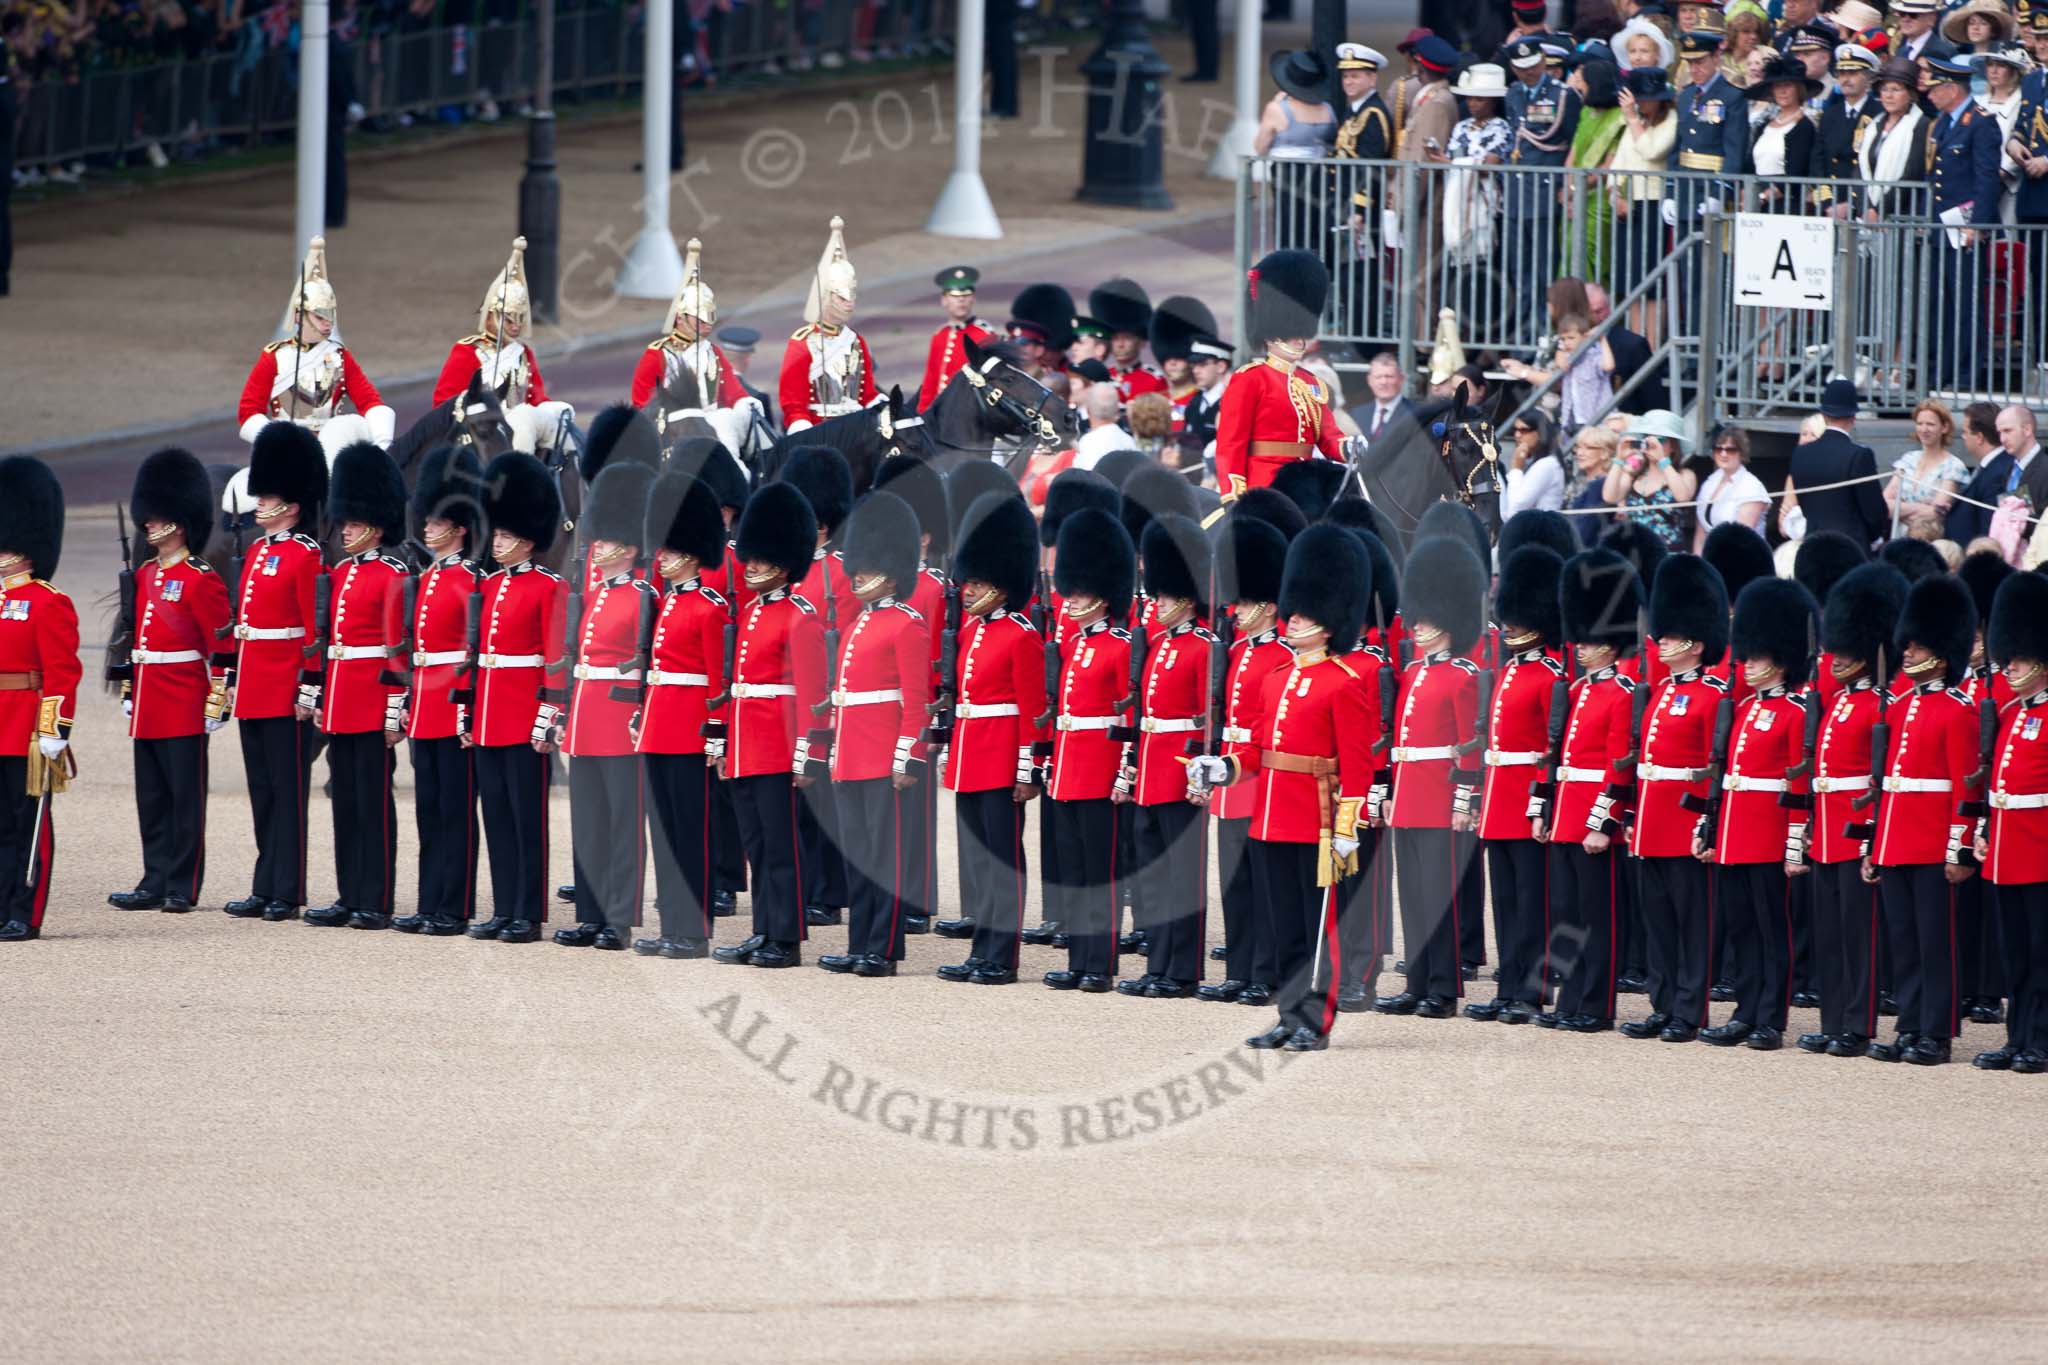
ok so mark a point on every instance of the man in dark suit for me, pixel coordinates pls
(1388, 404)
(2027, 475)
(1967, 519)
(1917, 37)
(1857, 511)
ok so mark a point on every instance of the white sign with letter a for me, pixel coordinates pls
(1784, 262)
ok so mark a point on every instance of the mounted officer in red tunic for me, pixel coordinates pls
(498, 350)
(826, 368)
(309, 377)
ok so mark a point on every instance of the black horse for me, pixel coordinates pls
(991, 408)
(1443, 451)
(865, 437)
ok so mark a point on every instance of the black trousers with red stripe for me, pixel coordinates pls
(170, 807)
(608, 838)
(1471, 896)
(871, 843)
(512, 790)
(728, 854)
(1173, 900)
(825, 882)
(1307, 955)
(1677, 910)
(679, 790)
(992, 870)
(916, 819)
(2023, 912)
(1081, 892)
(766, 806)
(25, 841)
(365, 820)
(1582, 934)
(1521, 916)
(277, 752)
(1845, 934)
(1758, 903)
(444, 814)
(1920, 929)
(1425, 860)
(1247, 938)
(1358, 918)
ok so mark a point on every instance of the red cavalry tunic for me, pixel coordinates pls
(262, 396)
(521, 642)
(689, 666)
(1592, 779)
(1842, 773)
(1933, 754)
(946, 356)
(440, 641)
(2018, 826)
(180, 610)
(1312, 709)
(1439, 710)
(663, 357)
(38, 640)
(1095, 675)
(885, 680)
(813, 352)
(276, 624)
(1517, 732)
(1252, 660)
(1765, 747)
(778, 677)
(1002, 692)
(368, 608)
(1671, 778)
(462, 364)
(1271, 415)
(607, 643)
(1175, 702)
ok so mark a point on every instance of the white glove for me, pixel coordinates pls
(1708, 206)
(1353, 446)
(1342, 846)
(714, 749)
(52, 745)
(309, 696)
(801, 762)
(257, 421)
(1208, 770)
(215, 724)
(383, 423)
(1376, 798)
(1669, 213)
(544, 723)
(127, 708)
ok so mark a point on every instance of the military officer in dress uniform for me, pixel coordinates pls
(1962, 176)
(1124, 311)
(498, 350)
(685, 366)
(826, 368)
(1041, 327)
(1090, 341)
(737, 344)
(1544, 113)
(1176, 322)
(883, 682)
(1845, 116)
(948, 351)
(2012, 844)
(2027, 149)
(1365, 132)
(306, 378)
(278, 671)
(39, 673)
(1274, 413)
(511, 720)
(447, 518)
(1712, 137)
(362, 699)
(173, 699)
(1209, 358)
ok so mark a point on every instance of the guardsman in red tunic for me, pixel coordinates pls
(948, 349)
(684, 365)
(679, 733)
(1930, 797)
(513, 721)
(991, 763)
(1599, 598)
(499, 352)
(171, 697)
(1437, 768)
(39, 674)
(1274, 413)
(1824, 559)
(278, 670)
(2013, 845)
(878, 716)
(1176, 323)
(1980, 968)
(778, 680)
(1517, 746)
(1311, 759)
(821, 474)
(1041, 327)
(1689, 623)
(1253, 557)
(1123, 309)
(607, 807)
(1855, 636)
(1760, 824)
(826, 368)
(306, 378)
(362, 697)
(447, 518)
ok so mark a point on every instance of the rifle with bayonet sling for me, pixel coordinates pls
(729, 642)
(1543, 792)
(1047, 625)
(643, 654)
(940, 708)
(1880, 756)
(121, 644)
(824, 708)
(1708, 808)
(401, 650)
(1639, 700)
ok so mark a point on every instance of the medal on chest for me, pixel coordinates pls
(1681, 703)
(1765, 718)
(270, 563)
(16, 609)
(2030, 730)
(174, 590)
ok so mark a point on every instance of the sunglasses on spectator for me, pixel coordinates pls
(1732, 449)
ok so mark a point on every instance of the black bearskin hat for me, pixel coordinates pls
(1983, 573)
(1599, 599)
(32, 514)
(1741, 556)
(520, 498)
(1176, 559)
(882, 538)
(822, 475)
(1447, 588)
(2019, 620)
(1822, 559)
(1916, 559)
(1069, 492)
(171, 485)
(1386, 579)
(1328, 579)
(966, 483)
(366, 486)
(1251, 556)
(1313, 484)
(1154, 491)
(1639, 546)
(779, 528)
(452, 486)
(1176, 322)
(999, 545)
(683, 516)
(615, 508)
(918, 484)
(708, 461)
(1688, 601)
(1048, 309)
(1458, 522)
(1284, 297)
(1121, 305)
(620, 434)
(1857, 621)
(1096, 560)
(1940, 616)
(1277, 510)
(1525, 598)
(1776, 619)
(1119, 465)
(1538, 526)
(287, 463)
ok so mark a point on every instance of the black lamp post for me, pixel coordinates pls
(540, 193)
(1124, 159)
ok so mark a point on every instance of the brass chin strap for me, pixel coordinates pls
(1845, 669)
(1075, 608)
(765, 582)
(986, 603)
(2024, 683)
(1924, 667)
(272, 515)
(1667, 650)
(1296, 639)
(867, 587)
(162, 534)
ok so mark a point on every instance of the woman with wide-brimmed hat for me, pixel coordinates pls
(1647, 481)
(1783, 143)
(1298, 125)
(1979, 24)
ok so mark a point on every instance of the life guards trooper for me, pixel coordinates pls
(1544, 113)
(498, 351)
(447, 518)
(278, 671)
(1925, 814)
(172, 698)
(1311, 757)
(1855, 637)
(947, 352)
(39, 673)
(684, 365)
(878, 718)
(2012, 845)
(511, 723)
(1273, 413)
(826, 368)
(1123, 310)
(306, 378)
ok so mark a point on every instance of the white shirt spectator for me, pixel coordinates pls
(1721, 496)
(1541, 485)
(1097, 442)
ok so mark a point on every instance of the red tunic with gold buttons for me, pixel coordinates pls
(520, 644)
(689, 664)
(1311, 709)
(1175, 701)
(1593, 781)
(1253, 659)
(878, 715)
(1841, 774)
(1002, 692)
(275, 625)
(1095, 675)
(816, 350)
(1763, 748)
(1439, 710)
(1518, 738)
(946, 356)
(778, 677)
(465, 359)
(1933, 755)
(2018, 824)
(608, 645)
(39, 641)
(180, 610)
(1678, 739)
(440, 644)
(369, 610)
(267, 394)
(1271, 415)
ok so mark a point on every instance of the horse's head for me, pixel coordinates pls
(1471, 452)
(1019, 404)
(482, 422)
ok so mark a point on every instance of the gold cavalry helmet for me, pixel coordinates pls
(311, 293)
(693, 298)
(834, 275)
(508, 294)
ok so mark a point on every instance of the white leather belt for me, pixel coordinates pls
(1656, 772)
(969, 711)
(165, 656)
(508, 661)
(1503, 758)
(2019, 800)
(346, 652)
(1858, 783)
(874, 698)
(660, 679)
(605, 673)
(1236, 734)
(1403, 754)
(1736, 782)
(428, 658)
(1152, 725)
(1084, 722)
(270, 632)
(1582, 774)
(748, 690)
(1918, 784)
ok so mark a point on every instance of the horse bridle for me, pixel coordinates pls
(1489, 454)
(1031, 418)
